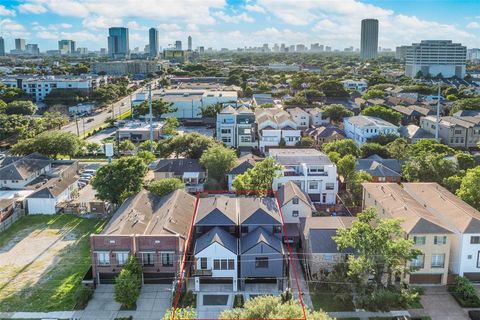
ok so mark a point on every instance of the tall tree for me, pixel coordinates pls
(469, 190)
(190, 145)
(384, 113)
(336, 112)
(50, 143)
(159, 108)
(346, 166)
(25, 107)
(333, 89)
(218, 160)
(428, 167)
(170, 126)
(398, 149)
(342, 147)
(368, 149)
(119, 179)
(257, 179)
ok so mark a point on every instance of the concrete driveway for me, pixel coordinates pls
(152, 304)
(440, 305)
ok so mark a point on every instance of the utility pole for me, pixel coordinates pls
(151, 115)
(437, 127)
(83, 121)
(76, 122)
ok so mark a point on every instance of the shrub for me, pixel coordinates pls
(465, 293)
(189, 299)
(286, 296)
(83, 295)
(239, 301)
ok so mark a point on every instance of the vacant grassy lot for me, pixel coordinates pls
(325, 299)
(42, 262)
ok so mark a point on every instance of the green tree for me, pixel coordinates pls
(342, 147)
(259, 178)
(159, 108)
(170, 126)
(398, 149)
(126, 146)
(297, 100)
(127, 289)
(12, 94)
(333, 89)
(191, 145)
(466, 104)
(370, 148)
(428, 167)
(147, 144)
(180, 314)
(384, 113)
(334, 156)
(218, 160)
(65, 97)
(146, 156)
(93, 147)
(54, 120)
(346, 166)
(336, 112)
(383, 139)
(272, 307)
(453, 183)
(380, 246)
(373, 93)
(165, 186)
(354, 185)
(119, 179)
(469, 188)
(429, 146)
(465, 161)
(23, 107)
(306, 142)
(211, 111)
(50, 143)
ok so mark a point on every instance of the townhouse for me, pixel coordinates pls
(300, 117)
(463, 132)
(316, 117)
(236, 127)
(430, 234)
(238, 241)
(412, 114)
(310, 169)
(361, 128)
(275, 125)
(151, 228)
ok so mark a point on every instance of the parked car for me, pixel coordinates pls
(89, 171)
(83, 180)
(90, 120)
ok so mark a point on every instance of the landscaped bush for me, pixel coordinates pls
(464, 292)
(239, 301)
(83, 295)
(188, 299)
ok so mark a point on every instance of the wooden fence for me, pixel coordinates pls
(7, 223)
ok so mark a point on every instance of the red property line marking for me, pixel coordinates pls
(182, 273)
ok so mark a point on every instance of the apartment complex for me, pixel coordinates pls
(236, 127)
(310, 169)
(122, 68)
(454, 131)
(361, 128)
(433, 57)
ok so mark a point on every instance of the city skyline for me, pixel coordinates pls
(232, 24)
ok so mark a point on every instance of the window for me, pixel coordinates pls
(440, 240)
(223, 264)
(261, 262)
(216, 264)
(203, 263)
(475, 240)
(167, 259)
(438, 260)
(231, 264)
(313, 185)
(382, 179)
(329, 185)
(478, 259)
(147, 258)
(226, 139)
(419, 240)
(458, 131)
(295, 200)
(418, 261)
(122, 258)
(277, 229)
(324, 197)
(103, 258)
(295, 213)
(225, 131)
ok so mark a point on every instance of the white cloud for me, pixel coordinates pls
(243, 17)
(13, 29)
(254, 8)
(473, 25)
(6, 12)
(32, 8)
(134, 25)
(101, 22)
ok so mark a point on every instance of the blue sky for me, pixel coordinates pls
(239, 23)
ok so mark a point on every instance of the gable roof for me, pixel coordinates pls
(258, 211)
(257, 236)
(324, 131)
(291, 190)
(376, 166)
(218, 210)
(14, 168)
(244, 163)
(147, 213)
(53, 188)
(412, 131)
(216, 235)
(179, 166)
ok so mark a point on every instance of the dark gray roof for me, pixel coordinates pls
(179, 166)
(325, 131)
(376, 166)
(244, 163)
(415, 132)
(14, 168)
(467, 113)
(321, 241)
(259, 235)
(216, 235)
(262, 98)
(53, 188)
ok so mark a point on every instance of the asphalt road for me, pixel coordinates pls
(99, 118)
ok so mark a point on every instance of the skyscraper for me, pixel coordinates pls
(178, 45)
(118, 43)
(190, 43)
(66, 46)
(20, 44)
(2, 47)
(369, 39)
(153, 42)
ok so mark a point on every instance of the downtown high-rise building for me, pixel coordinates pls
(118, 43)
(369, 39)
(2, 47)
(178, 45)
(20, 44)
(66, 46)
(189, 43)
(153, 45)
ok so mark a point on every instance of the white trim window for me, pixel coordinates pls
(440, 240)
(418, 262)
(148, 259)
(103, 258)
(167, 258)
(438, 260)
(122, 257)
(419, 240)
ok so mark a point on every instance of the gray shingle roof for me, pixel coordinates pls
(53, 188)
(415, 132)
(291, 190)
(259, 235)
(379, 167)
(244, 163)
(22, 168)
(179, 166)
(216, 235)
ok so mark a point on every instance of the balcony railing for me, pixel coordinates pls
(201, 272)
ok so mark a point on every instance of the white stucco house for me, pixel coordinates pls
(49, 198)
(361, 128)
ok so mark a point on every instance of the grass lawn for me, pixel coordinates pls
(60, 274)
(324, 299)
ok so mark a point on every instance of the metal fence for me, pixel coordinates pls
(7, 223)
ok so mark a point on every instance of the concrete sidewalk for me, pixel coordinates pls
(307, 300)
